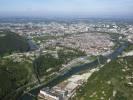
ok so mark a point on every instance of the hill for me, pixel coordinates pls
(114, 81)
(10, 42)
(13, 75)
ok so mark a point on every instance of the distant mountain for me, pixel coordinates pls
(10, 42)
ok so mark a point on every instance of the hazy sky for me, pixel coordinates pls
(66, 8)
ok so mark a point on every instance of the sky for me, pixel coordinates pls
(80, 8)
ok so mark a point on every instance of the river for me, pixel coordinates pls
(32, 45)
(78, 69)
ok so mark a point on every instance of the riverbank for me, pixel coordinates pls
(112, 82)
(77, 69)
(68, 86)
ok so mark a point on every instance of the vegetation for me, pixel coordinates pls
(13, 75)
(47, 37)
(66, 56)
(45, 62)
(113, 82)
(43, 38)
(10, 42)
(129, 48)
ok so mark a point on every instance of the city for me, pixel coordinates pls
(72, 55)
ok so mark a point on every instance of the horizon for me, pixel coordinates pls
(67, 8)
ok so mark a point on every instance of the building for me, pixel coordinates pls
(64, 90)
(50, 94)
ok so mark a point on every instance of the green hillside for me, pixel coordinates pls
(113, 82)
(13, 75)
(47, 61)
(10, 42)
